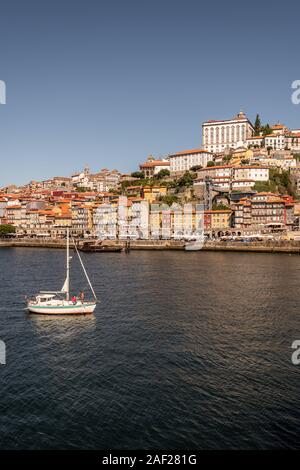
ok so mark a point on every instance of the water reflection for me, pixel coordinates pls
(70, 325)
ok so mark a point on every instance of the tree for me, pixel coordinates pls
(257, 125)
(279, 182)
(265, 187)
(6, 229)
(220, 207)
(211, 163)
(81, 189)
(186, 180)
(261, 129)
(196, 168)
(171, 184)
(162, 174)
(169, 199)
(266, 130)
(114, 191)
(138, 174)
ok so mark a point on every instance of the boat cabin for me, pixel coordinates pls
(45, 297)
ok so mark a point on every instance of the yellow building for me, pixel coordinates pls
(239, 155)
(218, 219)
(152, 193)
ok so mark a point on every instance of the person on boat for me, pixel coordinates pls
(74, 299)
(81, 297)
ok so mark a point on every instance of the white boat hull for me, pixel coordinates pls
(70, 309)
(193, 247)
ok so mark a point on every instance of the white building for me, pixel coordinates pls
(275, 141)
(285, 163)
(217, 136)
(184, 161)
(233, 177)
(81, 178)
(239, 185)
(292, 141)
(255, 173)
(255, 141)
(151, 167)
(279, 129)
(105, 218)
(222, 171)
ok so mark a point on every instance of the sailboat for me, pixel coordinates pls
(59, 302)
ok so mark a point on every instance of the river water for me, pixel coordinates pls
(185, 351)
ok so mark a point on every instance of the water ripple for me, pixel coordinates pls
(186, 355)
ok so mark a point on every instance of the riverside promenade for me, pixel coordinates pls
(269, 246)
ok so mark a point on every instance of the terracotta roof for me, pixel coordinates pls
(265, 193)
(243, 180)
(215, 167)
(136, 199)
(251, 167)
(189, 152)
(226, 211)
(154, 163)
(296, 134)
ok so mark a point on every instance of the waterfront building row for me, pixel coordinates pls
(122, 217)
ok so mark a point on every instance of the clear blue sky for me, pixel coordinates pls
(107, 83)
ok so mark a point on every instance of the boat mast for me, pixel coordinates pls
(84, 270)
(68, 267)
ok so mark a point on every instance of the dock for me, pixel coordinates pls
(269, 246)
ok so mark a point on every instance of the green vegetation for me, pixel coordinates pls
(175, 185)
(211, 163)
(114, 191)
(162, 174)
(261, 129)
(226, 159)
(266, 129)
(81, 189)
(6, 229)
(185, 181)
(143, 182)
(169, 200)
(220, 207)
(196, 167)
(279, 182)
(257, 125)
(170, 184)
(138, 174)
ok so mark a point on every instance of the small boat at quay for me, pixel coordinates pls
(194, 245)
(99, 247)
(59, 302)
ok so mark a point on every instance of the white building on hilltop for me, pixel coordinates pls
(184, 161)
(217, 136)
